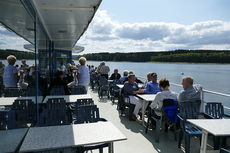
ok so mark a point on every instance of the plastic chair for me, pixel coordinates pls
(188, 110)
(25, 112)
(169, 105)
(80, 102)
(7, 119)
(89, 114)
(78, 90)
(58, 90)
(114, 91)
(103, 87)
(214, 110)
(54, 113)
(12, 92)
(93, 79)
(124, 102)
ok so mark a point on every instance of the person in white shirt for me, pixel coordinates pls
(157, 104)
(10, 76)
(83, 73)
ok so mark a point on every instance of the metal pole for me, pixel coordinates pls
(36, 65)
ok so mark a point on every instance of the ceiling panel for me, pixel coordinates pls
(66, 20)
(14, 16)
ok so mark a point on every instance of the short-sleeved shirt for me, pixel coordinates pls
(9, 79)
(158, 101)
(152, 88)
(104, 69)
(84, 75)
(191, 93)
(130, 88)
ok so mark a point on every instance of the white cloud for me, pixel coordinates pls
(9, 40)
(106, 35)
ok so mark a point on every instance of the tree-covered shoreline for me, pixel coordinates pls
(19, 54)
(187, 56)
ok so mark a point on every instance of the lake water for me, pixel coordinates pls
(215, 77)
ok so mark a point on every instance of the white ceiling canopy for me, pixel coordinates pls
(64, 20)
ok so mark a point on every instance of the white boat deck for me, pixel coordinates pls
(138, 141)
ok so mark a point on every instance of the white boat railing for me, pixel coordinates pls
(203, 94)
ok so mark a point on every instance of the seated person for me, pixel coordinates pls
(190, 92)
(131, 89)
(115, 75)
(125, 76)
(59, 81)
(148, 78)
(42, 83)
(152, 86)
(157, 104)
(137, 80)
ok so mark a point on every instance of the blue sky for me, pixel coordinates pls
(180, 11)
(151, 25)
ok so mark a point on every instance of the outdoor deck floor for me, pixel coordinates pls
(138, 141)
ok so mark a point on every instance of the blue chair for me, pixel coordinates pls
(78, 90)
(103, 87)
(80, 102)
(93, 79)
(222, 150)
(124, 102)
(7, 119)
(54, 113)
(214, 110)
(114, 91)
(25, 112)
(188, 110)
(89, 114)
(170, 110)
(58, 90)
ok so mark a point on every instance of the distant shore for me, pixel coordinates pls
(177, 56)
(165, 62)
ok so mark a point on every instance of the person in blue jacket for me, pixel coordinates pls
(152, 86)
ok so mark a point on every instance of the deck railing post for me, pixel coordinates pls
(202, 101)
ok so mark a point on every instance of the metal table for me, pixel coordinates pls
(146, 98)
(11, 139)
(66, 136)
(69, 98)
(217, 127)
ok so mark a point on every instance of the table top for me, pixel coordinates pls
(69, 98)
(54, 137)
(146, 97)
(8, 101)
(217, 127)
(10, 139)
(120, 85)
